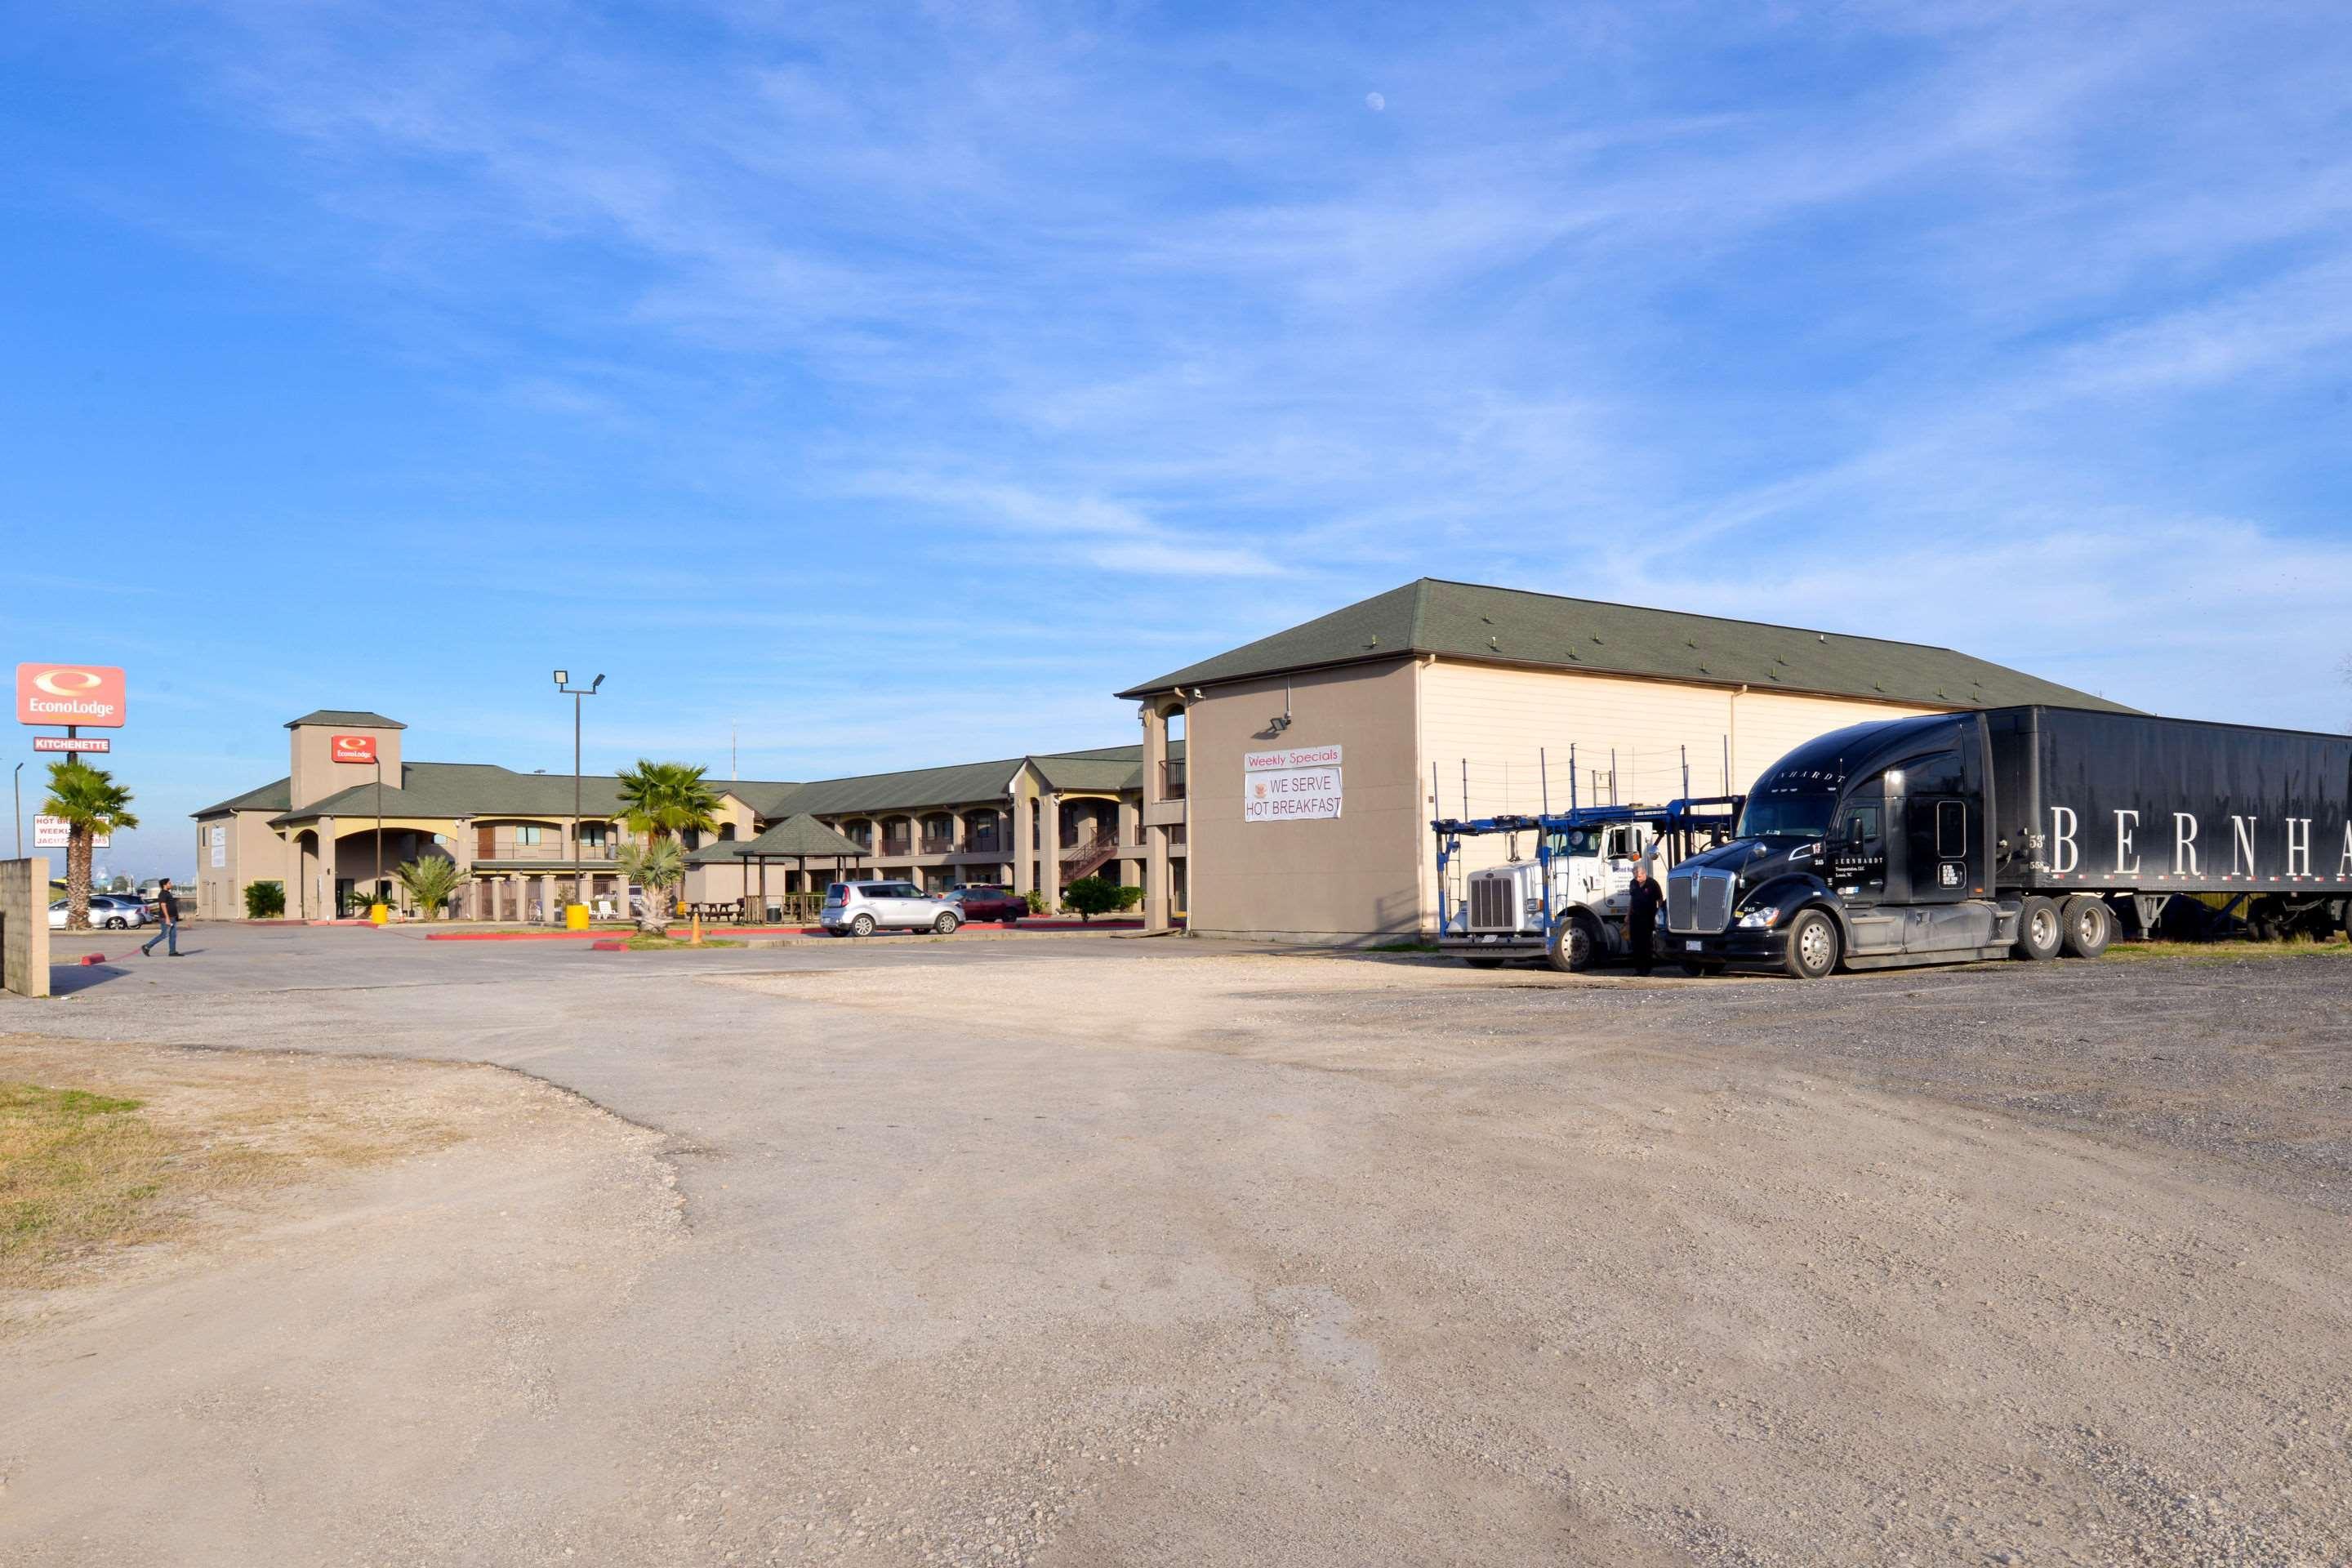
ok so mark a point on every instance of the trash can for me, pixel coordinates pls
(575, 917)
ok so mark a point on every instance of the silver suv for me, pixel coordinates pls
(860, 909)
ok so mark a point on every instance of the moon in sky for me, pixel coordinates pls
(1375, 103)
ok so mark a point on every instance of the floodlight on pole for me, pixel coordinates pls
(564, 684)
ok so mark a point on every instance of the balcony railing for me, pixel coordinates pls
(549, 849)
(894, 847)
(932, 845)
(1172, 780)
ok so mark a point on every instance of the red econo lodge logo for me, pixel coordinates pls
(69, 694)
(352, 748)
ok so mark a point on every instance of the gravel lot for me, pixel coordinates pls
(1083, 1251)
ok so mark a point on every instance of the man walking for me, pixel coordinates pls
(1642, 916)
(167, 905)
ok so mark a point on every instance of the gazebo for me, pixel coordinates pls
(798, 839)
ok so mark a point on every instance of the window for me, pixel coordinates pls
(591, 836)
(527, 834)
(1952, 830)
(1861, 822)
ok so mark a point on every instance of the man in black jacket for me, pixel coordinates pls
(167, 907)
(1642, 916)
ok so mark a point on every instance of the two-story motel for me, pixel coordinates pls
(1282, 789)
(1036, 822)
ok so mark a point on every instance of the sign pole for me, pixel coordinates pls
(377, 891)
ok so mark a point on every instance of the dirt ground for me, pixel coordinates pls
(1141, 1254)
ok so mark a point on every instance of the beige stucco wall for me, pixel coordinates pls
(313, 773)
(1340, 879)
(24, 926)
(255, 852)
(1498, 718)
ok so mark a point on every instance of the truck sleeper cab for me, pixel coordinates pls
(1957, 836)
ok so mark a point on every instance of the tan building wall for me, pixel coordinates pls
(314, 774)
(1373, 872)
(1498, 719)
(1339, 879)
(255, 852)
(24, 926)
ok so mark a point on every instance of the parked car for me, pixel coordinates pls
(861, 908)
(113, 911)
(989, 901)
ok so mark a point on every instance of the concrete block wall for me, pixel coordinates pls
(24, 926)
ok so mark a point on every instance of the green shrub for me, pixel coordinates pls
(265, 900)
(1092, 896)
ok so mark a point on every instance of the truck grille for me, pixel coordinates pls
(1492, 903)
(1698, 902)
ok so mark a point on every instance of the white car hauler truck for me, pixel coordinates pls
(1566, 905)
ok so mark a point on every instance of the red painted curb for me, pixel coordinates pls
(610, 945)
(87, 959)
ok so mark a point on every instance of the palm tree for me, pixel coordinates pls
(665, 801)
(91, 803)
(659, 865)
(430, 880)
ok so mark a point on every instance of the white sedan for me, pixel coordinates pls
(111, 911)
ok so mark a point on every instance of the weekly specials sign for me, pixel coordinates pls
(1290, 783)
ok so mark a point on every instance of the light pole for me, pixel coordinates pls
(16, 781)
(564, 684)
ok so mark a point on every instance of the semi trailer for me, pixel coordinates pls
(2026, 832)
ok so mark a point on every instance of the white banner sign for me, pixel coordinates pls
(1290, 794)
(1287, 757)
(52, 833)
(219, 836)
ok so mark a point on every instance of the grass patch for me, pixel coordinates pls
(1402, 947)
(77, 1170)
(2229, 951)
(663, 943)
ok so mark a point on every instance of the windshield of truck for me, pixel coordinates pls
(1576, 841)
(1791, 815)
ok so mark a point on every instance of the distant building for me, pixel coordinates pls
(1039, 821)
(1318, 756)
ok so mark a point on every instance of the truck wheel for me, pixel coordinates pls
(2040, 932)
(2088, 925)
(1813, 945)
(1575, 942)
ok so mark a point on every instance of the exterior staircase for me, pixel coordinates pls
(1088, 857)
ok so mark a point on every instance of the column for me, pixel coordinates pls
(1156, 904)
(1049, 853)
(547, 904)
(1131, 836)
(322, 887)
(461, 851)
(1022, 851)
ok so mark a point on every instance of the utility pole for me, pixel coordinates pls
(377, 891)
(16, 779)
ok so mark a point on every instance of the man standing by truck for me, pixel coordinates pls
(1642, 901)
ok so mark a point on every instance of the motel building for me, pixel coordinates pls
(1315, 758)
(326, 829)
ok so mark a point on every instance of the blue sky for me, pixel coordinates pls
(896, 383)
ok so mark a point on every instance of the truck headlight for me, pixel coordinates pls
(1535, 906)
(1759, 920)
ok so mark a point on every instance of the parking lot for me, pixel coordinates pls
(1086, 1251)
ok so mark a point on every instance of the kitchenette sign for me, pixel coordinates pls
(1291, 783)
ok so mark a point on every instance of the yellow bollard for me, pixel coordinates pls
(378, 913)
(696, 941)
(575, 917)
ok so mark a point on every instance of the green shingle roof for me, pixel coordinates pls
(1510, 625)
(356, 717)
(271, 796)
(482, 789)
(801, 834)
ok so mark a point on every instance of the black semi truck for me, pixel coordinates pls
(2019, 831)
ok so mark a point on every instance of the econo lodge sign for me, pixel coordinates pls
(352, 748)
(69, 694)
